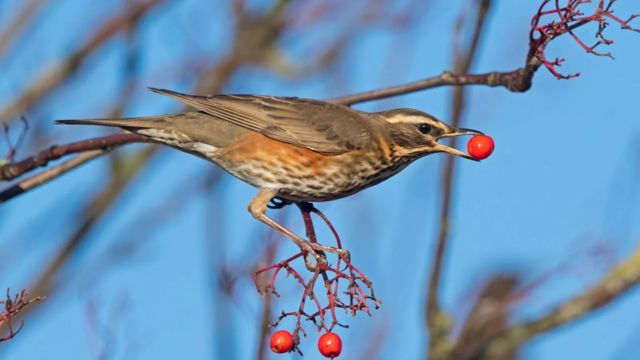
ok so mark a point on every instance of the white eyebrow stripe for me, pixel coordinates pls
(398, 118)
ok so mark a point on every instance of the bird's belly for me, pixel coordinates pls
(301, 174)
(297, 183)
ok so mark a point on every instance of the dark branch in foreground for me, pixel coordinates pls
(11, 171)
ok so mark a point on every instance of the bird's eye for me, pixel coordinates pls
(424, 128)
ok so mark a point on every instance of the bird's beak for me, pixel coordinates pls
(461, 131)
(456, 132)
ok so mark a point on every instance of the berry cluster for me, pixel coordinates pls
(329, 344)
(343, 286)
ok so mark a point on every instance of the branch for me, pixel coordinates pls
(47, 175)
(12, 170)
(518, 80)
(620, 279)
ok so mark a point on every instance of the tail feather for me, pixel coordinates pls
(145, 122)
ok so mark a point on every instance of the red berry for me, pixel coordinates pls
(330, 345)
(281, 342)
(480, 146)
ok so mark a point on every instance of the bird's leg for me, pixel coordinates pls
(306, 209)
(257, 208)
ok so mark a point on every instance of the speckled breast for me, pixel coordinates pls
(301, 174)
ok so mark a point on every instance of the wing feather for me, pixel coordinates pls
(320, 126)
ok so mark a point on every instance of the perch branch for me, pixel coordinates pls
(13, 170)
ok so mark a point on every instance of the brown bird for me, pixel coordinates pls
(295, 149)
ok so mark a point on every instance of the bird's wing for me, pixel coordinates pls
(319, 126)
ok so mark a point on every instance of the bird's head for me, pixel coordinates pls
(414, 133)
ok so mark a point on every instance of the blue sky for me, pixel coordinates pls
(562, 181)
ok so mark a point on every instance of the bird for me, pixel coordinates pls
(294, 149)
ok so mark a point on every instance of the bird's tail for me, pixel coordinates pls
(139, 122)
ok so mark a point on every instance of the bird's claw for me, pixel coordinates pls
(320, 261)
(278, 203)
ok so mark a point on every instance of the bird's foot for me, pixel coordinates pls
(321, 263)
(343, 253)
(278, 203)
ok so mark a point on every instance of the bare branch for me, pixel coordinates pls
(13, 170)
(39, 179)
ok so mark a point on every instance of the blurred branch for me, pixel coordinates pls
(487, 319)
(620, 279)
(138, 230)
(90, 148)
(437, 323)
(123, 175)
(19, 22)
(255, 42)
(49, 81)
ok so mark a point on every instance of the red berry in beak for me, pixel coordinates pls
(480, 146)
